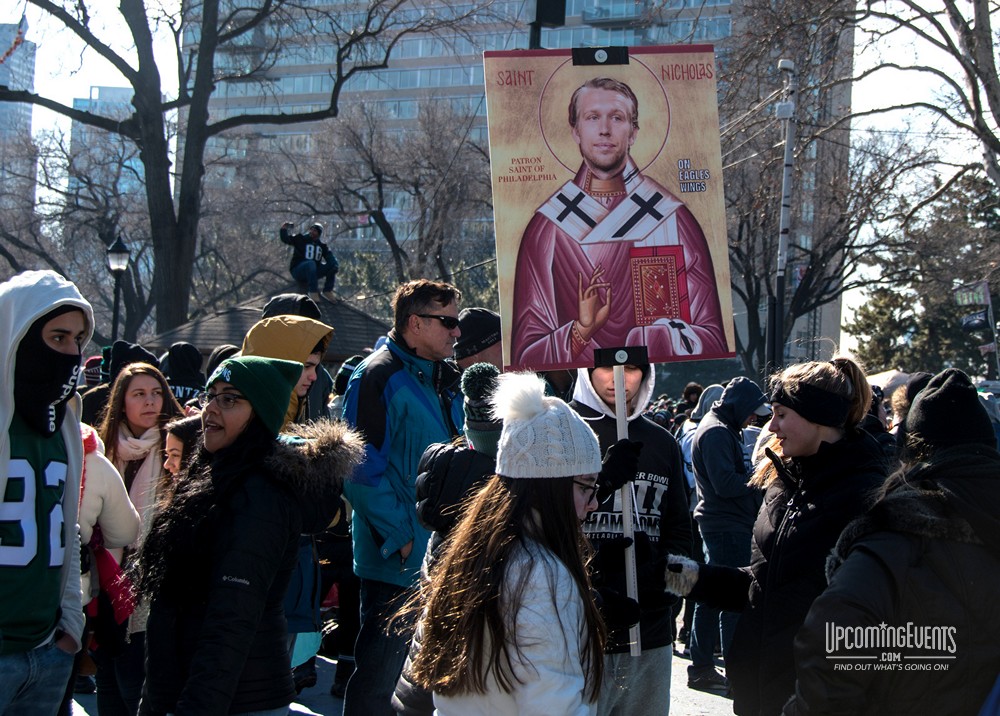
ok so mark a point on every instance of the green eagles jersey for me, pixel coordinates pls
(32, 541)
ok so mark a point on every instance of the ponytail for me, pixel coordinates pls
(860, 393)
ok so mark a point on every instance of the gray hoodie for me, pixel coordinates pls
(24, 299)
(726, 503)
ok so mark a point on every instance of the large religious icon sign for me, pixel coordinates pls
(608, 204)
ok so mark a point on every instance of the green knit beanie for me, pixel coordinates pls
(266, 382)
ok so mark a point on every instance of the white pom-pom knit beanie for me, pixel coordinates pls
(541, 436)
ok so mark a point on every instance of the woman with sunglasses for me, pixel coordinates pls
(218, 558)
(507, 623)
(132, 428)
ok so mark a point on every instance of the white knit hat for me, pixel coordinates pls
(541, 436)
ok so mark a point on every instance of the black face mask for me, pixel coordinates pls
(44, 380)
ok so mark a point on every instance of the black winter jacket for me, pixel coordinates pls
(216, 640)
(802, 516)
(449, 473)
(927, 556)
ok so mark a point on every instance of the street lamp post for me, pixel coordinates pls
(785, 111)
(118, 255)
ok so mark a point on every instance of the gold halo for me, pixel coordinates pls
(654, 110)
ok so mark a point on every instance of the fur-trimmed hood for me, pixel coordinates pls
(314, 460)
(951, 498)
(310, 465)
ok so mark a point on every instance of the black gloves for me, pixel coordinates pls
(621, 463)
(609, 563)
(609, 567)
(618, 611)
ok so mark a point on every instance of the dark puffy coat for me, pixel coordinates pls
(449, 473)
(928, 554)
(410, 699)
(803, 513)
(801, 518)
(216, 638)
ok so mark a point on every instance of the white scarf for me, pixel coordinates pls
(143, 492)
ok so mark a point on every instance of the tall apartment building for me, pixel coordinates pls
(423, 68)
(17, 169)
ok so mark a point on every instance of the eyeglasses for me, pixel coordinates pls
(449, 322)
(592, 489)
(225, 401)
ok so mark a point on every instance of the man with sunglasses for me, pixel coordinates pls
(651, 460)
(402, 397)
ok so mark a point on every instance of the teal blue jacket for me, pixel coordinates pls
(401, 403)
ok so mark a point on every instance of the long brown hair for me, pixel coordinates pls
(841, 376)
(113, 414)
(468, 614)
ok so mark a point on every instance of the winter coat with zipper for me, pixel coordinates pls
(804, 511)
(401, 403)
(216, 636)
(926, 555)
(660, 499)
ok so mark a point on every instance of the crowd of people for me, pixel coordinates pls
(172, 525)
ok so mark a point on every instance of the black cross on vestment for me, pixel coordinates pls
(645, 207)
(573, 207)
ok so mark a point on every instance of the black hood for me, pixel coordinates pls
(123, 353)
(291, 304)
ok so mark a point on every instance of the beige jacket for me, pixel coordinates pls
(105, 502)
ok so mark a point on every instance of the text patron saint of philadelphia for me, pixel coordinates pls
(882, 647)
